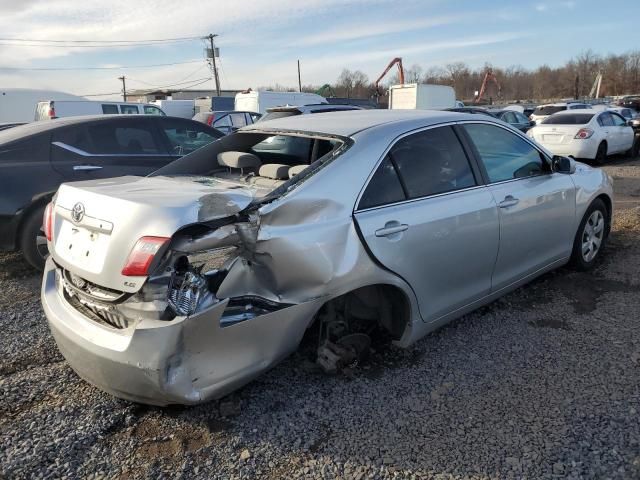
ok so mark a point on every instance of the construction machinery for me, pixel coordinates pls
(326, 91)
(595, 89)
(488, 76)
(396, 61)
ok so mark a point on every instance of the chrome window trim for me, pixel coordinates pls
(83, 153)
(507, 128)
(384, 154)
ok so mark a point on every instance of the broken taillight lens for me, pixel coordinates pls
(47, 221)
(142, 255)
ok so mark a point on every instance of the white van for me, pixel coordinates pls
(421, 96)
(259, 101)
(17, 104)
(52, 109)
(177, 108)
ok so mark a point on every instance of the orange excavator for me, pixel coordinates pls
(395, 61)
(488, 76)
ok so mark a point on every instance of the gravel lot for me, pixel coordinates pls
(544, 383)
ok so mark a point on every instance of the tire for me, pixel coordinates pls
(32, 241)
(591, 236)
(634, 151)
(601, 154)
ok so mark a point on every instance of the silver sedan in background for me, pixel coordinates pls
(184, 285)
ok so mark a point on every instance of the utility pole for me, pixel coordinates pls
(124, 88)
(213, 62)
(299, 81)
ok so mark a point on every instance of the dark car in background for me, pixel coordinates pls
(630, 101)
(514, 118)
(36, 158)
(227, 121)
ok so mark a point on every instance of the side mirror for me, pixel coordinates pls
(532, 123)
(564, 164)
(630, 123)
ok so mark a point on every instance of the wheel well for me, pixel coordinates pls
(385, 304)
(609, 206)
(27, 212)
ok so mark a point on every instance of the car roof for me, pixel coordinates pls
(35, 128)
(577, 110)
(313, 106)
(350, 122)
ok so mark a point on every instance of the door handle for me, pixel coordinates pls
(386, 231)
(509, 201)
(86, 168)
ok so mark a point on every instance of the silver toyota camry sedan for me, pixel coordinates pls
(184, 285)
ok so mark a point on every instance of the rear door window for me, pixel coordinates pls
(108, 109)
(238, 120)
(605, 120)
(618, 121)
(505, 155)
(151, 110)
(383, 188)
(185, 136)
(123, 138)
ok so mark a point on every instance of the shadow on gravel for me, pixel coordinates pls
(14, 266)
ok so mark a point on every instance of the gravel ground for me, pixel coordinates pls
(544, 383)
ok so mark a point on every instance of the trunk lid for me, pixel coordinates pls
(555, 134)
(97, 223)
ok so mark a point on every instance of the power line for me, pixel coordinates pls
(121, 67)
(143, 92)
(182, 80)
(173, 84)
(44, 40)
(105, 45)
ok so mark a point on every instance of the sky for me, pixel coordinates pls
(260, 41)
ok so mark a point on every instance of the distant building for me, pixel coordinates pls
(146, 96)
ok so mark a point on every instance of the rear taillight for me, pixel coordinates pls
(584, 133)
(52, 110)
(47, 221)
(210, 120)
(142, 255)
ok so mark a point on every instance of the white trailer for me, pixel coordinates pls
(260, 101)
(19, 104)
(421, 96)
(177, 108)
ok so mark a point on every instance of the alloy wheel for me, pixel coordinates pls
(592, 235)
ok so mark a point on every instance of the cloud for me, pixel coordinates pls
(541, 7)
(361, 29)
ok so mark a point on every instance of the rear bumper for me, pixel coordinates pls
(183, 361)
(575, 148)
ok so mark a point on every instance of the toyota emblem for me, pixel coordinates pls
(77, 213)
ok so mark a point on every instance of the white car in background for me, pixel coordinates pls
(585, 133)
(543, 111)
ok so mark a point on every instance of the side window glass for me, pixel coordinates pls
(122, 139)
(70, 140)
(129, 109)
(186, 137)
(521, 118)
(509, 117)
(151, 110)
(618, 121)
(605, 120)
(383, 188)
(108, 109)
(505, 155)
(432, 162)
(238, 120)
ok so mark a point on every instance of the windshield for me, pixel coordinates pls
(568, 119)
(549, 109)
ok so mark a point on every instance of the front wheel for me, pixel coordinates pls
(591, 236)
(33, 243)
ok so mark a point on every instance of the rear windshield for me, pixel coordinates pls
(548, 110)
(569, 119)
(282, 114)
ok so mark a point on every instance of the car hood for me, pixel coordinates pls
(116, 212)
